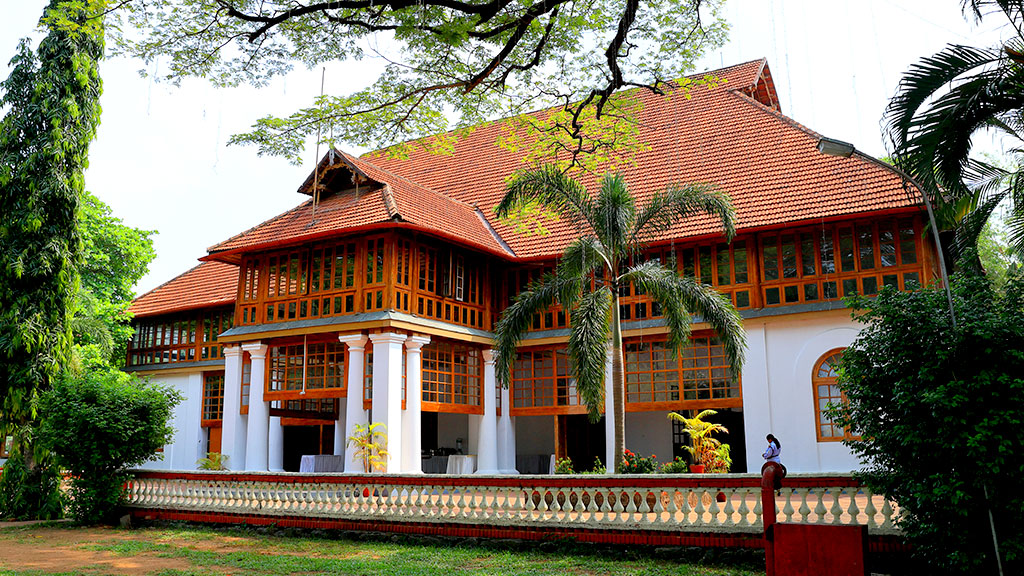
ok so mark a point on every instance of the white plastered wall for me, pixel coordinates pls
(649, 433)
(189, 443)
(778, 397)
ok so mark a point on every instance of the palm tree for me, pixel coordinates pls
(941, 104)
(613, 232)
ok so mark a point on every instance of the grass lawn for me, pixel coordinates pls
(193, 551)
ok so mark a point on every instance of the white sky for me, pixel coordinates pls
(161, 161)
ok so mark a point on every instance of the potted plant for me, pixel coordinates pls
(704, 448)
(371, 443)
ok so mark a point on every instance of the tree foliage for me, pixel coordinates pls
(606, 257)
(114, 257)
(98, 425)
(942, 103)
(939, 412)
(53, 97)
(468, 59)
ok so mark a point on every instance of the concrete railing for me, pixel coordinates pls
(687, 503)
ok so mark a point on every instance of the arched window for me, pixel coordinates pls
(826, 391)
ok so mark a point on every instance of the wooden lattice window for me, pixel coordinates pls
(213, 399)
(542, 378)
(826, 393)
(307, 368)
(699, 376)
(452, 378)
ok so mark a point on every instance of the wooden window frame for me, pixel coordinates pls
(530, 392)
(440, 378)
(839, 281)
(213, 406)
(716, 360)
(324, 347)
(824, 377)
(177, 338)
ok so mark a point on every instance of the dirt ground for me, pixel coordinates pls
(59, 550)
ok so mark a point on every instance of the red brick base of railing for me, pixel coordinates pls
(653, 538)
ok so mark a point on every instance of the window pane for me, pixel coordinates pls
(828, 257)
(722, 255)
(865, 242)
(771, 259)
(788, 257)
(739, 257)
(807, 255)
(847, 257)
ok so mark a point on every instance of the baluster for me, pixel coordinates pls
(542, 506)
(714, 508)
(580, 508)
(606, 507)
(854, 510)
(643, 509)
(836, 509)
(870, 509)
(758, 512)
(887, 515)
(729, 509)
(744, 510)
(788, 510)
(804, 509)
(700, 509)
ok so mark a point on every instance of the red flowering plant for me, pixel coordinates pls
(633, 463)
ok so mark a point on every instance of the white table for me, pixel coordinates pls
(462, 464)
(322, 463)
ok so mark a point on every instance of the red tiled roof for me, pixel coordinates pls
(729, 134)
(391, 200)
(768, 164)
(208, 284)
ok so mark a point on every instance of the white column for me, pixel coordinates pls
(275, 445)
(609, 416)
(487, 437)
(757, 398)
(506, 435)
(387, 392)
(258, 433)
(339, 428)
(412, 418)
(234, 423)
(354, 413)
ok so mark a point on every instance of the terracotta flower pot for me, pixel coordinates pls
(697, 468)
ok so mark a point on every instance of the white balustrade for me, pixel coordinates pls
(617, 502)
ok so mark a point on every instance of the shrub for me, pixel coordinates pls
(936, 413)
(213, 461)
(563, 466)
(633, 463)
(371, 443)
(677, 466)
(98, 425)
(598, 467)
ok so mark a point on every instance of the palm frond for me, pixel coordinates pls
(677, 202)
(662, 285)
(970, 228)
(515, 321)
(614, 214)
(717, 311)
(548, 188)
(581, 258)
(588, 346)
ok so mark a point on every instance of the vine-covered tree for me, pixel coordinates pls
(612, 234)
(52, 96)
(470, 60)
(114, 257)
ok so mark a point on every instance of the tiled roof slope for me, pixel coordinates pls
(208, 284)
(768, 164)
(391, 200)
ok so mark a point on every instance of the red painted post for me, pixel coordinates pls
(771, 480)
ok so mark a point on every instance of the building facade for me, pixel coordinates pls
(375, 299)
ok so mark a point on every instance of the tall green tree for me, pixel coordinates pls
(607, 256)
(114, 258)
(938, 418)
(943, 102)
(471, 60)
(52, 97)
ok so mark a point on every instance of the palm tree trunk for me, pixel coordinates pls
(618, 385)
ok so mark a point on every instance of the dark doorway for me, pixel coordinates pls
(733, 421)
(580, 440)
(428, 431)
(302, 440)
